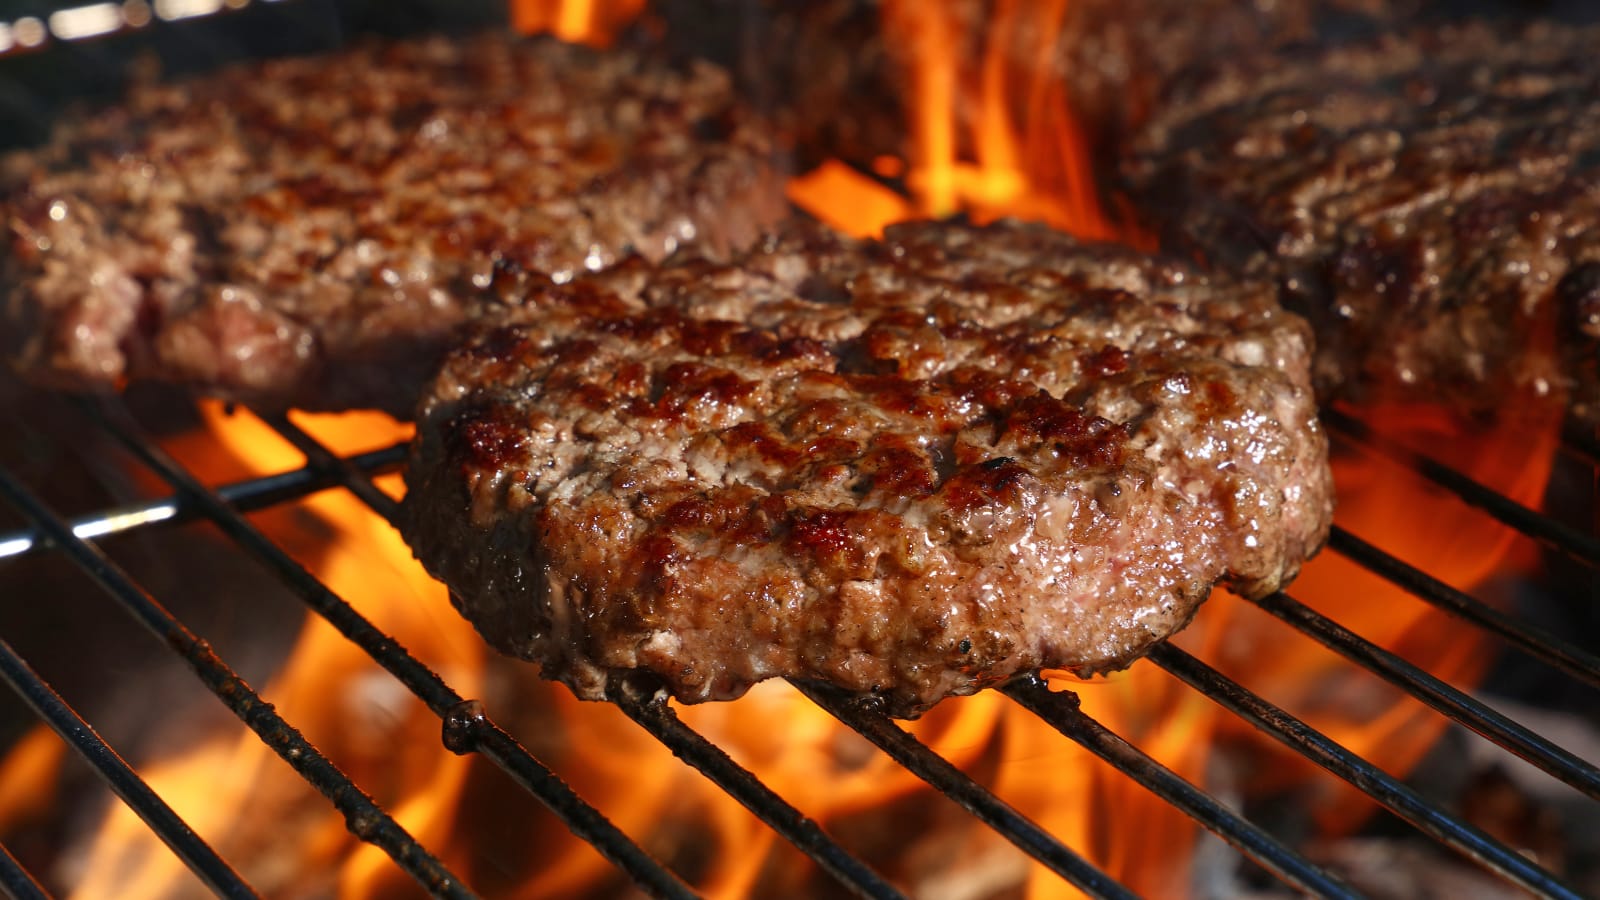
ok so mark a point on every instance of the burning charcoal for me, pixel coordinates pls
(1427, 199)
(312, 231)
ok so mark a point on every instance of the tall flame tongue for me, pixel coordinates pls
(992, 128)
(985, 162)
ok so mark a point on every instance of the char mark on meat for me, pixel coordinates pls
(313, 231)
(912, 468)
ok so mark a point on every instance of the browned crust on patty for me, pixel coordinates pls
(1429, 199)
(312, 231)
(912, 468)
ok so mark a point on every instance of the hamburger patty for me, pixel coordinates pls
(913, 468)
(1101, 63)
(312, 231)
(1431, 201)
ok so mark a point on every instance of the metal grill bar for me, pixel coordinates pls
(351, 477)
(694, 750)
(1535, 641)
(1196, 806)
(364, 817)
(1580, 546)
(656, 717)
(1530, 746)
(16, 881)
(1374, 782)
(1583, 439)
(953, 783)
(470, 733)
(246, 496)
(1062, 712)
(117, 774)
(466, 729)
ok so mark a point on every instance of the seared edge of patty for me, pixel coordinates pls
(913, 469)
(311, 231)
(1429, 199)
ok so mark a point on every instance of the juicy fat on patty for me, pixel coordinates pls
(313, 231)
(912, 468)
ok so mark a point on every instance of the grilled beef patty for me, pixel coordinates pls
(841, 83)
(312, 231)
(1430, 200)
(912, 468)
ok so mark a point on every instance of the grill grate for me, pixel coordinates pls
(468, 730)
(466, 727)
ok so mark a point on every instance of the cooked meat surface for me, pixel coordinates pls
(913, 468)
(1430, 200)
(312, 231)
(1103, 62)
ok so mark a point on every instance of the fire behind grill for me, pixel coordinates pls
(466, 726)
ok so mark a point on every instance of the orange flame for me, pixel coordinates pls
(387, 742)
(991, 139)
(593, 22)
(1422, 524)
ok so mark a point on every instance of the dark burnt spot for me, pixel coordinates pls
(206, 226)
(715, 128)
(1108, 360)
(150, 317)
(856, 359)
(1577, 298)
(996, 463)
(500, 345)
(965, 646)
(505, 271)
(821, 290)
(487, 438)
